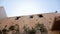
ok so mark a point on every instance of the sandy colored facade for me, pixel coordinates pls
(31, 21)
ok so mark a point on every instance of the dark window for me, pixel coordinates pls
(17, 18)
(31, 16)
(40, 15)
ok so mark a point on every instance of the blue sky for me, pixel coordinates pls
(27, 7)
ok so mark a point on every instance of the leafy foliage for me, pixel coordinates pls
(33, 31)
(41, 28)
(29, 31)
(11, 27)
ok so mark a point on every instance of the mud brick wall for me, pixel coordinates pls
(29, 21)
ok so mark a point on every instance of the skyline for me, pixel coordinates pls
(27, 7)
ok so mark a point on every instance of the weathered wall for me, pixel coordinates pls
(47, 20)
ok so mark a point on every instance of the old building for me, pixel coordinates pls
(49, 20)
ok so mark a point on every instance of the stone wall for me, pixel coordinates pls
(29, 22)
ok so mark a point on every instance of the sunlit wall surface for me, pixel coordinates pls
(27, 7)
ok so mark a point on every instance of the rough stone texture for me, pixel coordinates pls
(47, 20)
